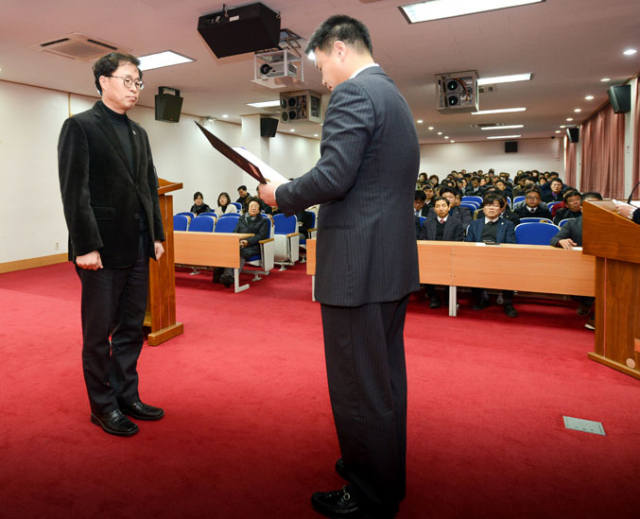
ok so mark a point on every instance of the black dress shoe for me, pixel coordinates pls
(510, 311)
(435, 302)
(142, 411)
(342, 472)
(226, 280)
(481, 304)
(114, 422)
(339, 503)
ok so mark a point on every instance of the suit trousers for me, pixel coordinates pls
(113, 307)
(366, 371)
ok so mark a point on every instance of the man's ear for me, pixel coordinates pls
(340, 49)
(103, 82)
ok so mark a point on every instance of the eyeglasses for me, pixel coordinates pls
(129, 81)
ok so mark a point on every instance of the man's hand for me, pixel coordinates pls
(89, 261)
(623, 209)
(267, 193)
(567, 244)
(159, 249)
(243, 244)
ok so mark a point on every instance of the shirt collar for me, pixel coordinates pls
(363, 68)
(486, 220)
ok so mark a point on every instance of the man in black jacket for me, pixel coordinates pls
(531, 207)
(110, 199)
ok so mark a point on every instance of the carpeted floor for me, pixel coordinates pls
(248, 431)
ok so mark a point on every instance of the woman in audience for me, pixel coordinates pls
(431, 196)
(224, 205)
(422, 181)
(199, 206)
(250, 222)
(435, 180)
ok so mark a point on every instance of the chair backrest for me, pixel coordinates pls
(202, 223)
(230, 215)
(562, 222)
(551, 204)
(509, 201)
(226, 224)
(285, 224)
(313, 219)
(535, 233)
(518, 199)
(422, 219)
(237, 204)
(180, 222)
(189, 215)
(526, 219)
(210, 213)
(472, 198)
(470, 205)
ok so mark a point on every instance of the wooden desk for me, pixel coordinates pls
(502, 267)
(208, 249)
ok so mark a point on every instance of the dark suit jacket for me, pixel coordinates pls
(369, 160)
(258, 227)
(102, 197)
(572, 229)
(506, 231)
(636, 216)
(452, 230)
(523, 212)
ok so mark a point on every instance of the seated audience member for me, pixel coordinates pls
(435, 180)
(460, 213)
(440, 226)
(629, 211)
(243, 196)
(431, 196)
(531, 206)
(572, 209)
(555, 191)
(461, 184)
(422, 181)
(492, 229)
(250, 222)
(542, 181)
(570, 236)
(224, 205)
(525, 182)
(199, 206)
(420, 207)
(502, 185)
(474, 188)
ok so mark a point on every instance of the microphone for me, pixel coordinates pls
(631, 194)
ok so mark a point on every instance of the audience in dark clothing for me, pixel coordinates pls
(199, 206)
(572, 209)
(531, 207)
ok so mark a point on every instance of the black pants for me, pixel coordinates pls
(366, 371)
(113, 306)
(479, 294)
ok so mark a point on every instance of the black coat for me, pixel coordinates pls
(259, 227)
(452, 230)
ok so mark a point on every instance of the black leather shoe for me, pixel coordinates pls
(481, 304)
(510, 311)
(226, 280)
(142, 411)
(342, 472)
(435, 302)
(114, 422)
(339, 503)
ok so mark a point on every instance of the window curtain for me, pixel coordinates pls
(635, 174)
(570, 162)
(603, 153)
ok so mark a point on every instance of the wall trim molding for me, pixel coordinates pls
(12, 266)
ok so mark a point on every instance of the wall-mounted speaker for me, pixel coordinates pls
(573, 134)
(268, 127)
(244, 29)
(620, 98)
(168, 105)
(511, 147)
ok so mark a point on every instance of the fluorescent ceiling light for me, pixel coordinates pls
(589, 98)
(504, 137)
(508, 127)
(162, 59)
(419, 121)
(265, 104)
(430, 128)
(501, 111)
(577, 110)
(629, 52)
(504, 79)
(439, 9)
(605, 79)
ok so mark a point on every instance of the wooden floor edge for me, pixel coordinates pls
(43, 261)
(614, 365)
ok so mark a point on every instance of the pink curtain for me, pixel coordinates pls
(570, 162)
(603, 153)
(635, 174)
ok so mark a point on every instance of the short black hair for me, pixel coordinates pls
(420, 195)
(557, 179)
(225, 194)
(197, 194)
(534, 189)
(591, 194)
(448, 189)
(244, 188)
(570, 193)
(441, 198)
(108, 64)
(427, 185)
(492, 197)
(340, 28)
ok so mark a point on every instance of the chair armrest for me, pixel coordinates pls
(265, 241)
(292, 234)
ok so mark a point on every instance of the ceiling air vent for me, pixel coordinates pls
(77, 47)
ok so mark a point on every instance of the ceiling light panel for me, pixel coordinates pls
(507, 127)
(440, 9)
(162, 59)
(500, 111)
(504, 137)
(504, 79)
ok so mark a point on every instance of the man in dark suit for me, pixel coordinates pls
(441, 227)
(110, 199)
(492, 229)
(367, 264)
(531, 207)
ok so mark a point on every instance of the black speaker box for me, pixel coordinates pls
(268, 127)
(573, 134)
(511, 147)
(244, 29)
(168, 105)
(620, 98)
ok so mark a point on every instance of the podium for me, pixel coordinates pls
(160, 318)
(615, 242)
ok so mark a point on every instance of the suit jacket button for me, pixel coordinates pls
(137, 216)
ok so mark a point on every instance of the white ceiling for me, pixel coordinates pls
(567, 44)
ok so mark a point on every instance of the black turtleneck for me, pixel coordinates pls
(121, 126)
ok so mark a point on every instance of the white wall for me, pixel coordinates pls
(540, 154)
(31, 217)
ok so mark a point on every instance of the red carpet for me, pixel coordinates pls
(248, 431)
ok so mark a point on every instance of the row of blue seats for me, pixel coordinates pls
(474, 202)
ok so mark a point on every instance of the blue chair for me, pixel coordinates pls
(226, 224)
(551, 204)
(210, 213)
(526, 219)
(509, 201)
(535, 233)
(202, 223)
(180, 222)
(518, 199)
(470, 205)
(561, 223)
(238, 205)
(422, 219)
(472, 198)
(287, 240)
(230, 215)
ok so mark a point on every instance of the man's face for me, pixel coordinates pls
(254, 208)
(573, 203)
(117, 96)
(532, 200)
(492, 211)
(418, 204)
(332, 65)
(441, 208)
(556, 186)
(429, 192)
(451, 197)
(242, 193)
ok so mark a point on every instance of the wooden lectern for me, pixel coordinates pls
(615, 241)
(161, 301)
